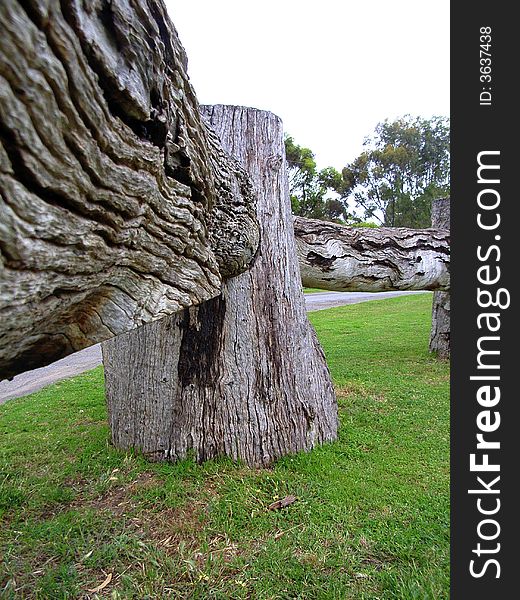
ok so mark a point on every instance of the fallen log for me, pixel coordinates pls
(118, 205)
(360, 259)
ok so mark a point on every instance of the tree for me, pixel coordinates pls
(242, 375)
(405, 165)
(118, 204)
(309, 188)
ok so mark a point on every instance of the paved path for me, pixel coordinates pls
(31, 381)
(321, 300)
(87, 359)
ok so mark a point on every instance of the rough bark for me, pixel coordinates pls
(118, 205)
(440, 332)
(241, 375)
(359, 259)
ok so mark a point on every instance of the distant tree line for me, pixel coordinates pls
(405, 164)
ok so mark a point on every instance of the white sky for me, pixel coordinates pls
(331, 69)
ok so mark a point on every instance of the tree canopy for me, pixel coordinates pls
(310, 188)
(404, 166)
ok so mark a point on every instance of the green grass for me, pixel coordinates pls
(312, 291)
(371, 520)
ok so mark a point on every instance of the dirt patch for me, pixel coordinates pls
(118, 498)
(347, 394)
(350, 389)
(172, 528)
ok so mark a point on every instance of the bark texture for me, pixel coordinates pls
(440, 332)
(241, 375)
(360, 259)
(118, 205)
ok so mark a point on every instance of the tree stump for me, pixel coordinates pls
(242, 375)
(440, 332)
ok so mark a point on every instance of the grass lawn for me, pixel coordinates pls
(371, 520)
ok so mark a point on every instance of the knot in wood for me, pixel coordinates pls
(274, 162)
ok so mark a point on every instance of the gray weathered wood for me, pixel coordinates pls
(241, 375)
(117, 204)
(440, 332)
(360, 259)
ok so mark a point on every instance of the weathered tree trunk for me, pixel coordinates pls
(117, 204)
(360, 259)
(241, 375)
(440, 332)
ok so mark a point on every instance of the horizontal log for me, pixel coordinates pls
(118, 205)
(361, 259)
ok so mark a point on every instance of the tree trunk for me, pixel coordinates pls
(440, 332)
(360, 259)
(118, 205)
(242, 375)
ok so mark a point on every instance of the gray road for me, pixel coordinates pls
(321, 300)
(87, 359)
(31, 381)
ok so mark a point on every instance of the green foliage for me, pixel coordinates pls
(369, 224)
(405, 165)
(310, 189)
(371, 519)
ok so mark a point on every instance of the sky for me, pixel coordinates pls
(331, 69)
